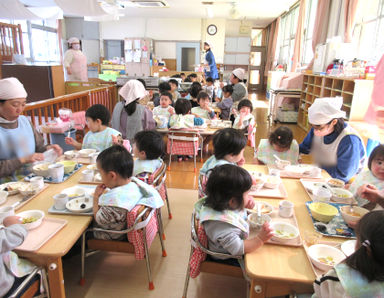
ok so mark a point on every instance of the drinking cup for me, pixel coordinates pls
(286, 209)
(87, 175)
(60, 200)
(37, 182)
(56, 171)
(5, 212)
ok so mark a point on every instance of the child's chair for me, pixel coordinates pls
(184, 142)
(28, 289)
(197, 260)
(142, 228)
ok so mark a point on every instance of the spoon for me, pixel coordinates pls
(277, 158)
(259, 213)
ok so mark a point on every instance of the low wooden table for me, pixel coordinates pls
(49, 255)
(277, 270)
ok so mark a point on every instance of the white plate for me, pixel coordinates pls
(74, 191)
(32, 213)
(348, 247)
(15, 187)
(80, 205)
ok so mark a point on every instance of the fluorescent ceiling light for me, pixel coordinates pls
(150, 4)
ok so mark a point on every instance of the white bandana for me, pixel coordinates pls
(11, 88)
(132, 90)
(325, 109)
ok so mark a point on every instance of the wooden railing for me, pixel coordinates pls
(44, 111)
(11, 41)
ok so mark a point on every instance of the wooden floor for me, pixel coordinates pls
(120, 275)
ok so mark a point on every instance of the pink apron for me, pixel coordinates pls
(78, 67)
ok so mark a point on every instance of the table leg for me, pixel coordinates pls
(261, 289)
(55, 277)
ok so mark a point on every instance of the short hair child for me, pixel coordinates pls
(282, 137)
(377, 153)
(209, 80)
(245, 103)
(99, 111)
(151, 142)
(228, 89)
(173, 81)
(164, 86)
(116, 159)
(183, 106)
(195, 89)
(201, 95)
(228, 141)
(168, 94)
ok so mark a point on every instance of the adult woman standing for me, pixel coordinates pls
(75, 62)
(336, 147)
(130, 117)
(211, 68)
(20, 143)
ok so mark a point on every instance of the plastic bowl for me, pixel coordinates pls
(41, 169)
(258, 180)
(74, 192)
(325, 257)
(266, 208)
(282, 164)
(283, 231)
(69, 166)
(321, 194)
(337, 183)
(28, 189)
(254, 221)
(323, 212)
(358, 212)
(38, 215)
(341, 195)
(80, 205)
(272, 182)
(71, 154)
(86, 152)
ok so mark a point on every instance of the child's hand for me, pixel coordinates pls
(70, 141)
(171, 110)
(370, 193)
(266, 232)
(217, 99)
(32, 158)
(12, 220)
(56, 148)
(99, 191)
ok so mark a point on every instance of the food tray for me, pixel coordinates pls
(49, 179)
(292, 220)
(336, 227)
(18, 200)
(36, 238)
(308, 184)
(318, 272)
(53, 210)
(285, 174)
(82, 160)
(277, 193)
(93, 182)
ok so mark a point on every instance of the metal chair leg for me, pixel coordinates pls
(82, 277)
(170, 155)
(160, 231)
(194, 156)
(167, 200)
(187, 277)
(147, 261)
(45, 282)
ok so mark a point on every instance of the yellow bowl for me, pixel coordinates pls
(69, 165)
(323, 212)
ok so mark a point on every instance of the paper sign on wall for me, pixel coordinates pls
(145, 54)
(137, 56)
(128, 56)
(137, 43)
(128, 44)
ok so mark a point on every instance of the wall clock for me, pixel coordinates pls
(212, 29)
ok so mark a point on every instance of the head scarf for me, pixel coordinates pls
(11, 88)
(325, 109)
(132, 90)
(239, 73)
(209, 44)
(73, 40)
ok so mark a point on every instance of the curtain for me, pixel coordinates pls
(350, 9)
(299, 36)
(59, 39)
(272, 40)
(319, 29)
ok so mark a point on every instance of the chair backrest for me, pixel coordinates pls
(202, 182)
(158, 177)
(183, 142)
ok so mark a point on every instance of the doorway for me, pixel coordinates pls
(187, 56)
(256, 68)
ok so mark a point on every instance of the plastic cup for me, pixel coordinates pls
(5, 212)
(60, 200)
(87, 175)
(56, 171)
(37, 182)
(286, 209)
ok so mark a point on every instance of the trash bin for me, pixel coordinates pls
(59, 139)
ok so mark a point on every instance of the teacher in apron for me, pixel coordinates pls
(75, 62)
(335, 146)
(210, 69)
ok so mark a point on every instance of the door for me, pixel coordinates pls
(256, 68)
(187, 56)
(113, 48)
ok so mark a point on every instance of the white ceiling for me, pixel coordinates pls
(261, 12)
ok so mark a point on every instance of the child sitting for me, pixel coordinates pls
(193, 92)
(174, 86)
(281, 144)
(368, 185)
(223, 215)
(110, 208)
(203, 111)
(100, 135)
(226, 103)
(183, 117)
(163, 87)
(244, 119)
(165, 108)
(148, 148)
(209, 88)
(362, 273)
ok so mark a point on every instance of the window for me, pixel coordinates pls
(310, 16)
(286, 38)
(368, 34)
(257, 37)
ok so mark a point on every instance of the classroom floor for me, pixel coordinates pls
(120, 275)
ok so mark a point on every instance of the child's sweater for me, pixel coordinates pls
(178, 121)
(203, 113)
(225, 106)
(99, 140)
(160, 111)
(265, 153)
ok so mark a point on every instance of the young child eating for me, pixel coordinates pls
(203, 111)
(183, 117)
(164, 109)
(245, 118)
(148, 148)
(100, 135)
(368, 186)
(110, 208)
(223, 215)
(174, 86)
(281, 144)
(209, 88)
(226, 103)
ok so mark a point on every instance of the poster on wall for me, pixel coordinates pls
(128, 44)
(137, 43)
(137, 56)
(128, 56)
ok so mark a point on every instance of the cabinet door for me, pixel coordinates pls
(230, 59)
(242, 59)
(91, 30)
(243, 44)
(230, 44)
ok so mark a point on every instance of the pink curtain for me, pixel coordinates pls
(349, 15)
(299, 36)
(272, 40)
(319, 29)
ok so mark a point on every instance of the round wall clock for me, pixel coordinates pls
(212, 29)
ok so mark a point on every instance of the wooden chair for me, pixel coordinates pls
(142, 230)
(198, 254)
(26, 290)
(184, 142)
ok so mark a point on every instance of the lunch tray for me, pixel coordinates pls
(336, 227)
(49, 179)
(53, 210)
(18, 200)
(276, 193)
(82, 160)
(36, 238)
(285, 174)
(276, 217)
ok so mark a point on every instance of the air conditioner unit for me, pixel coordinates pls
(150, 4)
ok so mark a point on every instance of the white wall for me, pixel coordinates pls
(165, 49)
(232, 27)
(132, 27)
(216, 40)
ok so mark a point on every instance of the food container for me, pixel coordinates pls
(283, 232)
(352, 217)
(31, 219)
(258, 180)
(272, 182)
(321, 194)
(80, 205)
(341, 195)
(257, 223)
(282, 164)
(41, 169)
(86, 152)
(28, 189)
(266, 208)
(3, 196)
(336, 183)
(71, 154)
(323, 212)
(325, 257)
(69, 166)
